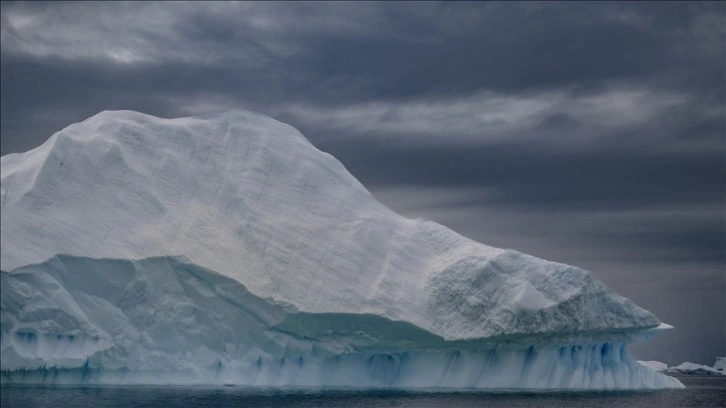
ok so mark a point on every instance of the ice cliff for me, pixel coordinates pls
(294, 274)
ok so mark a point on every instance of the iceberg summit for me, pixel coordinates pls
(227, 249)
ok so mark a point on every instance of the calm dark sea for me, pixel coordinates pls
(701, 392)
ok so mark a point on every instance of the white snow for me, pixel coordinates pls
(250, 199)
(527, 298)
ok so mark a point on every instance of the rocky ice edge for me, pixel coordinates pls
(164, 320)
(253, 200)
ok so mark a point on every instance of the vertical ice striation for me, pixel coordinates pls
(295, 274)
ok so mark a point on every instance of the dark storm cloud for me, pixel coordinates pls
(526, 175)
(348, 53)
(587, 133)
(165, 59)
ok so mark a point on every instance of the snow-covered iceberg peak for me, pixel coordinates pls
(251, 199)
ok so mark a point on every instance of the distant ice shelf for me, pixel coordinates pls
(167, 321)
(696, 369)
(688, 368)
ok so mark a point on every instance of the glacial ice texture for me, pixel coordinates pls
(164, 320)
(311, 252)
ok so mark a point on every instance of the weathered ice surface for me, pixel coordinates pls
(341, 288)
(167, 320)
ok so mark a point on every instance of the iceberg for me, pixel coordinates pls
(694, 369)
(227, 249)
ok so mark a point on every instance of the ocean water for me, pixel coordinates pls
(700, 392)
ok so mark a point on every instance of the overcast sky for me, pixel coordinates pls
(586, 133)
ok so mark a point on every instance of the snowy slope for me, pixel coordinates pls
(251, 198)
(165, 320)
